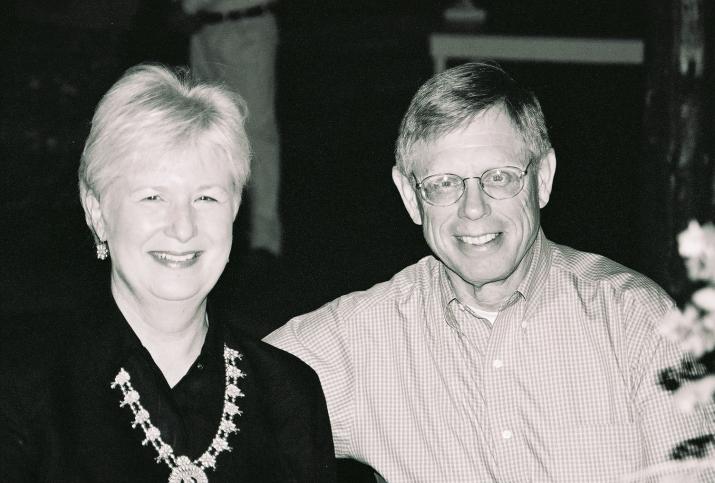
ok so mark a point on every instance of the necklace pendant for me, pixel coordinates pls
(187, 472)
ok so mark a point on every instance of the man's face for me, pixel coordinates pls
(481, 240)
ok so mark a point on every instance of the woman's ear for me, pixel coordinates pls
(93, 215)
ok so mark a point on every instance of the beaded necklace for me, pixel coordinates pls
(182, 468)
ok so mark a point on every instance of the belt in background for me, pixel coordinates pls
(208, 18)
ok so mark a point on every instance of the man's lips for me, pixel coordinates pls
(479, 239)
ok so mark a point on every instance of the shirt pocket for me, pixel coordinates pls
(593, 453)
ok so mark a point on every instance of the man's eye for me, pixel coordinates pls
(206, 198)
(445, 184)
(498, 178)
(152, 198)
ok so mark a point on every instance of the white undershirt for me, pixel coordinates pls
(490, 316)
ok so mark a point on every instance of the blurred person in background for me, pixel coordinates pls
(234, 42)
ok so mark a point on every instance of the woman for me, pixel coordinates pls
(144, 384)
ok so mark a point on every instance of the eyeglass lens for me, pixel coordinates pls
(497, 183)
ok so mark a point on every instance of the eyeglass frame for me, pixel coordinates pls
(524, 171)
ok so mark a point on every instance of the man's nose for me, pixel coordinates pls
(474, 203)
(182, 225)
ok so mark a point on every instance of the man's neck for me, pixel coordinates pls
(491, 295)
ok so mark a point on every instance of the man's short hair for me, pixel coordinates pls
(151, 111)
(451, 99)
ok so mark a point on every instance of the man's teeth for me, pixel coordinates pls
(478, 240)
(177, 258)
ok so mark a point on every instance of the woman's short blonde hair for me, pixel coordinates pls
(152, 110)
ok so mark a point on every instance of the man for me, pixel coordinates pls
(505, 357)
(234, 42)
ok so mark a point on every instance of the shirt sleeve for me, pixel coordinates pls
(320, 340)
(662, 424)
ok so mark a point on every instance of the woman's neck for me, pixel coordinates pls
(172, 332)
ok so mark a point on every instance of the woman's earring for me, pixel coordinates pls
(102, 250)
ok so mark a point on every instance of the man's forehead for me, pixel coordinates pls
(490, 129)
(508, 144)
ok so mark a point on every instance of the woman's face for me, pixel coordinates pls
(168, 224)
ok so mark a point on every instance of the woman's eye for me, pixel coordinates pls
(152, 198)
(206, 198)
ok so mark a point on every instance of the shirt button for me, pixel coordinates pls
(497, 364)
(200, 366)
(506, 434)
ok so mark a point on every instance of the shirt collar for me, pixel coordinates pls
(528, 290)
(540, 264)
(110, 330)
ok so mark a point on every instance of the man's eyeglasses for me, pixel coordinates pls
(498, 183)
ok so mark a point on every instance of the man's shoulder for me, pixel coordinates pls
(374, 308)
(601, 272)
(409, 285)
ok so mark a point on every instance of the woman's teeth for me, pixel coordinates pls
(177, 258)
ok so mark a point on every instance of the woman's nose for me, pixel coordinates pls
(182, 225)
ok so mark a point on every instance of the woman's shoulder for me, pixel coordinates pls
(275, 363)
(291, 401)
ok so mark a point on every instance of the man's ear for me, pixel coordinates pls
(93, 215)
(547, 170)
(407, 193)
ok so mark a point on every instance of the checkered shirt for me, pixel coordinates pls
(563, 387)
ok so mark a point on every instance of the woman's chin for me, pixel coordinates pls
(177, 292)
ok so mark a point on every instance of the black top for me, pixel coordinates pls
(60, 420)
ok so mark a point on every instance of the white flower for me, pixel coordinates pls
(693, 333)
(697, 246)
(691, 242)
(695, 393)
(705, 299)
